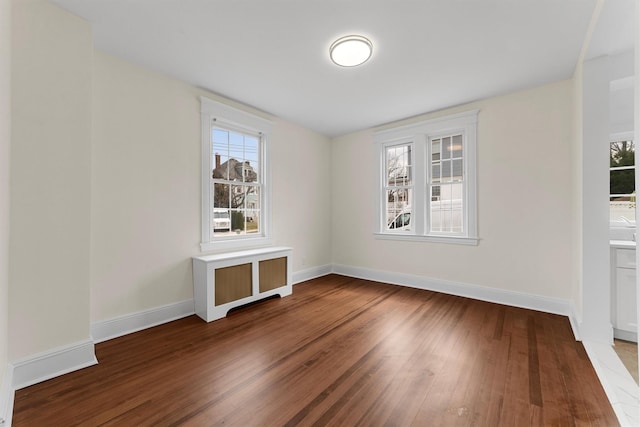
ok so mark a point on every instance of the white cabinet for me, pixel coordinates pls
(225, 281)
(625, 307)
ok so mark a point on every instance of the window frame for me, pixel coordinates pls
(411, 188)
(235, 120)
(420, 135)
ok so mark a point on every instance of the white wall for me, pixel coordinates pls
(50, 179)
(145, 181)
(597, 115)
(524, 173)
(301, 180)
(145, 216)
(596, 325)
(5, 137)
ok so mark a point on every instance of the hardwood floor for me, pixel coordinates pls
(339, 352)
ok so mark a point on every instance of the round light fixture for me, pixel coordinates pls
(349, 51)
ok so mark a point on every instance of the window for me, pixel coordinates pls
(622, 190)
(427, 184)
(235, 192)
(446, 184)
(398, 188)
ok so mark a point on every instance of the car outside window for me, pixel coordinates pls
(427, 180)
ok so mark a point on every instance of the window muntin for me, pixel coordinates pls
(622, 191)
(441, 196)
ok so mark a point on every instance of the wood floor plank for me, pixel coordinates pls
(338, 352)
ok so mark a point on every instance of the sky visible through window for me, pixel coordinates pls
(232, 145)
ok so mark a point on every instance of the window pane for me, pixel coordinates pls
(238, 196)
(220, 151)
(457, 170)
(236, 146)
(398, 165)
(220, 141)
(244, 216)
(251, 155)
(398, 206)
(220, 169)
(221, 221)
(622, 200)
(622, 209)
(446, 148)
(435, 172)
(456, 146)
(446, 209)
(456, 209)
(622, 182)
(252, 214)
(446, 170)
(220, 195)
(248, 172)
(435, 213)
(435, 150)
(435, 193)
(622, 153)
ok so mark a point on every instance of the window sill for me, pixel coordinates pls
(238, 243)
(458, 240)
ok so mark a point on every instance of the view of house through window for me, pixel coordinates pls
(235, 183)
(399, 186)
(622, 191)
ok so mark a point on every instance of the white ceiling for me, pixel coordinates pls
(273, 54)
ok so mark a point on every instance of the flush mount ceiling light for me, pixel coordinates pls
(349, 51)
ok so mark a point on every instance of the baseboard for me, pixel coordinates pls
(575, 320)
(123, 325)
(6, 397)
(70, 358)
(53, 363)
(625, 335)
(500, 296)
(311, 273)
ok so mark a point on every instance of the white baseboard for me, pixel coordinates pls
(107, 329)
(6, 397)
(311, 273)
(53, 363)
(575, 320)
(500, 296)
(625, 335)
(63, 360)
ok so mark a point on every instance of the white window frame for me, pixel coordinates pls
(622, 136)
(231, 118)
(420, 135)
(412, 187)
